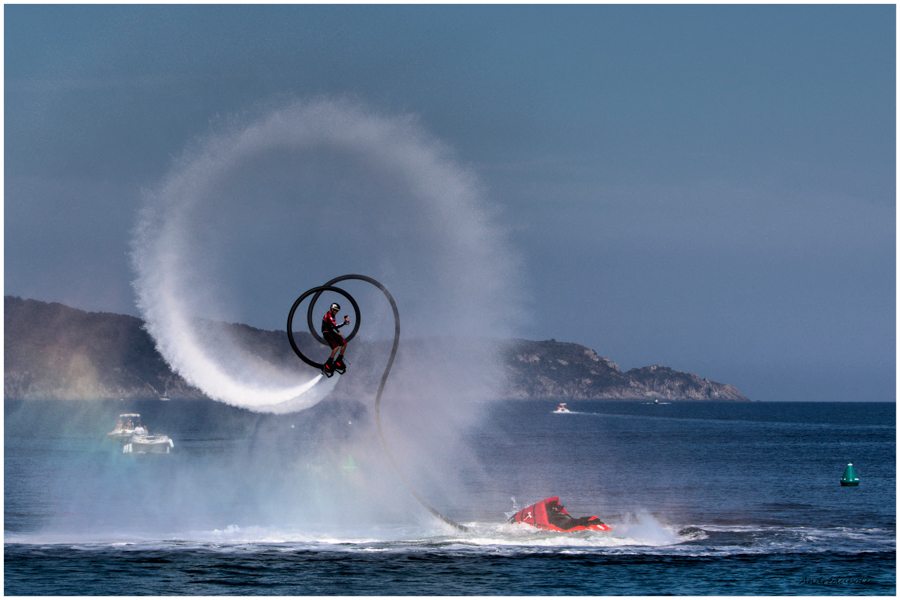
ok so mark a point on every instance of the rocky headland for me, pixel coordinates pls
(53, 351)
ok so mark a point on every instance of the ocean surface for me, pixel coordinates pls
(704, 498)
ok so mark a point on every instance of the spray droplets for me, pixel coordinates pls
(248, 216)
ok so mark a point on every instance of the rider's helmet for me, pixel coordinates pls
(335, 306)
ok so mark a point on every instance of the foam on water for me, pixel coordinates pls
(637, 530)
(643, 535)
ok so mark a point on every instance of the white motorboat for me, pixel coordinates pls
(124, 427)
(146, 444)
(562, 408)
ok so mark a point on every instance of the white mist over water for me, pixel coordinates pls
(250, 218)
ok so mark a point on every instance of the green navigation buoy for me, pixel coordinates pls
(349, 465)
(850, 477)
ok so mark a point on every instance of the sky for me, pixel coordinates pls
(710, 188)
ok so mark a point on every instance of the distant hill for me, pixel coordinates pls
(554, 369)
(53, 351)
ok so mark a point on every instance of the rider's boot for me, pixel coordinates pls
(328, 368)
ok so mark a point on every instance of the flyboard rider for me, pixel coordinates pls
(334, 338)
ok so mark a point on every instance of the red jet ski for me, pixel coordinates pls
(549, 514)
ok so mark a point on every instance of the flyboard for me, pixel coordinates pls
(329, 287)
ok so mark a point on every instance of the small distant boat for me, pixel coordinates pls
(656, 401)
(147, 444)
(140, 442)
(164, 398)
(124, 427)
(562, 408)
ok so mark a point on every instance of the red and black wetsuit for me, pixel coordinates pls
(330, 331)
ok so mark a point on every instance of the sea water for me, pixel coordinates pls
(704, 498)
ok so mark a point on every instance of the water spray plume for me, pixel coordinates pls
(384, 376)
(412, 217)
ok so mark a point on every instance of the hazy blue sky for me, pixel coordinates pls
(710, 188)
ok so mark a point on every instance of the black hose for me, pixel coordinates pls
(290, 321)
(384, 376)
